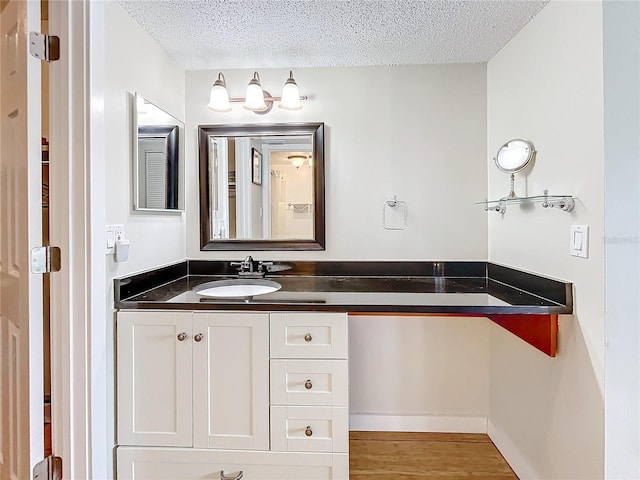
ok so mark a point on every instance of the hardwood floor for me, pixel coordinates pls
(417, 456)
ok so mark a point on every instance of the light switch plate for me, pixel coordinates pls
(113, 233)
(579, 241)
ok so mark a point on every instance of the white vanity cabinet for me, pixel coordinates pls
(212, 394)
(193, 379)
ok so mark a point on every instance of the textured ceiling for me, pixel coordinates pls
(217, 34)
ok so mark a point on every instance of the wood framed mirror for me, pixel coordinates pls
(262, 186)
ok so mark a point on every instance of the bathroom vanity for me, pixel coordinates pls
(257, 387)
(217, 394)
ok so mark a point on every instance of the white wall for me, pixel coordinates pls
(136, 63)
(622, 246)
(416, 131)
(545, 85)
(419, 373)
(298, 190)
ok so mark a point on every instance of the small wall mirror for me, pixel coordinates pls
(515, 155)
(158, 158)
(262, 187)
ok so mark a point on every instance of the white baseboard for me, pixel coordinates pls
(415, 423)
(514, 457)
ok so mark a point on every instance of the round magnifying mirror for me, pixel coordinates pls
(514, 155)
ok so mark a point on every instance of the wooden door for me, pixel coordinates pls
(21, 370)
(154, 352)
(231, 380)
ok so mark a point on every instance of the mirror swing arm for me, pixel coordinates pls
(206, 134)
(513, 157)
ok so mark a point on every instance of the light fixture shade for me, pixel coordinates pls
(219, 97)
(254, 99)
(297, 160)
(290, 94)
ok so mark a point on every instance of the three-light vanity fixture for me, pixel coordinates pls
(256, 99)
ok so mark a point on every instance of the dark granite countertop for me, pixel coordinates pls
(470, 288)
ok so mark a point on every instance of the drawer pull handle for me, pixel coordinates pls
(308, 337)
(308, 385)
(198, 338)
(308, 432)
(182, 336)
(230, 477)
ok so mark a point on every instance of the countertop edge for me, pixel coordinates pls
(453, 310)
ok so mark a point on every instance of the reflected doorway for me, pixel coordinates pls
(291, 196)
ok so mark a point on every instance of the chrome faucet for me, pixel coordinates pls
(248, 267)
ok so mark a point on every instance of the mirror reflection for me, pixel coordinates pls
(158, 158)
(263, 187)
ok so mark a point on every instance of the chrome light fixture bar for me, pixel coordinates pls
(256, 99)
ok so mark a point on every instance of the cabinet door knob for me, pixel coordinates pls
(237, 476)
(182, 336)
(308, 337)
(308, 385)
(198, 338)
(308, 432)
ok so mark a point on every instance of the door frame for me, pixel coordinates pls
(267, 149)
(219, 180)
(80, 368)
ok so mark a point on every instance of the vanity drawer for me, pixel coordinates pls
(196, 464)
(310, 429)
(309, 382)
(309, 335)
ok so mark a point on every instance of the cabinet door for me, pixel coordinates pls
(231, 380)
(154, 378)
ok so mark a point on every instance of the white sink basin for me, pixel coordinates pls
(239, 287)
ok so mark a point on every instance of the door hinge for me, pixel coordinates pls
(44, 47)
(45, 259)
(48, 469)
